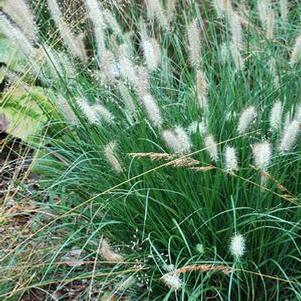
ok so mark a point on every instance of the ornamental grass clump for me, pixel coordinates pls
(169, 156)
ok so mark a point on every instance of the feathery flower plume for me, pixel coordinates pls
(283, 9)
(103, 113)
(231, 162)
(298, 113)
(245, 119)
(22, 15)
(109, 69)
(108, 254)
(270, 23)
(211, 147)
(178, 140)
(267, 16)
(263, 7)
(16, 35)
(262, 153)
(112, 22)
(296, 52)
(87, 110)
(236, 56)
(111, 157)
(222, 7)
(236, 29)
(95, 14)
(201, 88)
(172, 280)
(76, 46)
(170, 8)
(151, 51)
(127, 70)
(153, 110)
(237, 245)
(64, 107)
(194, 42)
(203, 129)
(276, 115)
(127, 100)
(273, 70)
(155, 10)
(290, 135)
(142, 87)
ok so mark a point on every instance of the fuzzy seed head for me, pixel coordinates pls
(172, 280)
(211, 147)
(276, 116)
(296, 52)
(111, 157)
(103, 113)
(177, 140)
(236, 56)
(151, 50)
(245, 119)
(87, 110)
(153, 110)
(20, 12)
(108, 254)
(283, 9)
(194, 42)
(127, 70)
(231, 162)
(222, 7)
(262, 153)
(289, 136)
(237, 245)
(155, 10)
(13, 33)
(95, 14)
(236, 29)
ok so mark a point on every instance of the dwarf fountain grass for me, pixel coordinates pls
(150, 187)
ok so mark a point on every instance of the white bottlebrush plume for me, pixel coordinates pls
(290, 135)
(16, 35)
(64, 107)
(103, 113)
(193, 127)
(194, 42)
(142, 87)
(172, 280)
(75, 45)
(231, 161)
(201, 89)
(263, 7)
(203, 129)
(236, 29)
(151, 51)
(108, 254)
(245, 119)
(276, 116)
(237, 245)
(296, 52)
(87, 110)
(270, 24)
(127, 100)
(153, 110)
(177, 140)
(262, 153)
(222, 7)
(127, 70)
(20, 12)
(111, 157)
(211, 147)
(95, 14)
(298, 112)
(236, 56)
(109, 69)
(170, 8)
(155, 10)
(111, 22)
(283, 9)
